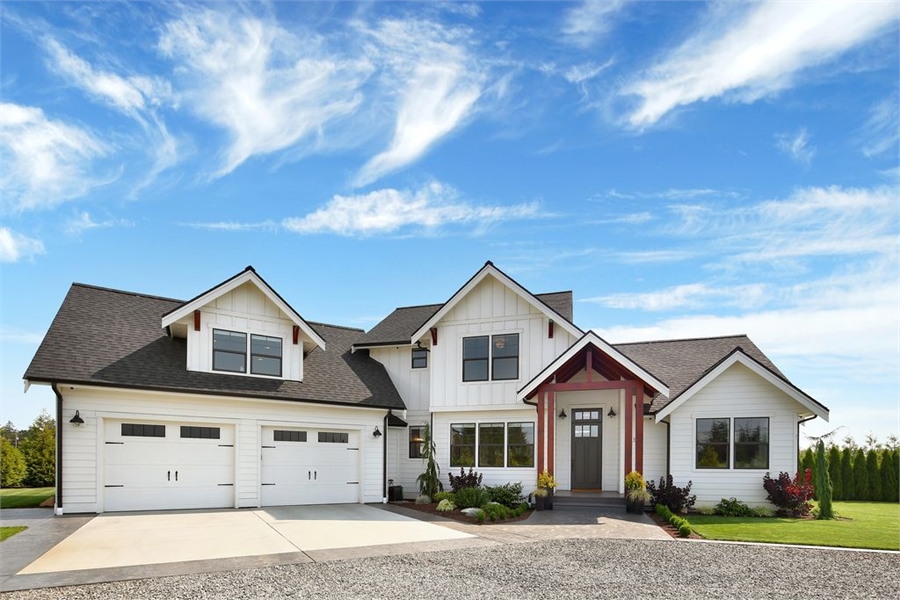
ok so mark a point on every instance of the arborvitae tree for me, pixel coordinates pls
(860, 476)
(889, 477)
(834, 470)
(12, 465)
(848, 482)
(808, 462)
(823, 483)
(874, 475)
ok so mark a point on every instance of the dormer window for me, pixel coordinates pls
(230, 353)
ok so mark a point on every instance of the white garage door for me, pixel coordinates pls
(167, 465)
(309, 466)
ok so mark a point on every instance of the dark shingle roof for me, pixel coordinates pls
(398, 327)
(680, 363)
(114, 338)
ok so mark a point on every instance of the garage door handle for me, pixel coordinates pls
(309, 474)
(176, 475)
(315, 474)
(168, 475)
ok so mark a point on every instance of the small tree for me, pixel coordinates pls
(889, 477)
(860, 476)
(824, 489)
(12, 465)
(834, 471)
(39, 450)
(874, 475)
(430, 481)
(848, 483)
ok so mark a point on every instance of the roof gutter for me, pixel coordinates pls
(59, 449)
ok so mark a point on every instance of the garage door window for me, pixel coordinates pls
(333, 437)
(140, 430)
(203, 433)
(289, 436)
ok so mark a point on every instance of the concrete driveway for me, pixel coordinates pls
(132, 539)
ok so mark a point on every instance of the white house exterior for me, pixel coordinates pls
(232, 399)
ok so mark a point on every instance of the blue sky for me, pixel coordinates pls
(687, 169)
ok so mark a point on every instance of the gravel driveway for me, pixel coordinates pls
(577, 568)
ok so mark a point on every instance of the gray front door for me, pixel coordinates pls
(587, 430)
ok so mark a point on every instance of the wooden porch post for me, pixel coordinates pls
(639, 426)
(629, 428)
(551, 426)
(540, 430)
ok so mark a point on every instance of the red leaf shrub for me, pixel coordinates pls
(791, 496)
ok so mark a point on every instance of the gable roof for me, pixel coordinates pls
(739, 356)
(247, 275)
(113, 338)
(592, 339)
(490, 270)
(397, 328)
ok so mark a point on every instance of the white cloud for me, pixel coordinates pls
(654, 256)
(269, 88)
(18, 336)
(589, 21)
(629, 219)
(440, 83)
(390, 210)
(15, 246)
(235, 226)
(84, 222)
(796, 145)
(580, 75)
(881, 133)
(45, 161)
(692, 295)
(750, 51)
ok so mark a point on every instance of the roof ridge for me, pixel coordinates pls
(553, 293)
(420, 305)
(336, 326)
(693, 339)
(124, 292)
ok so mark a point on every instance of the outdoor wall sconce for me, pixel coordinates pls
(77, 421)
(611, 413)
(562, 414)
(376, 433)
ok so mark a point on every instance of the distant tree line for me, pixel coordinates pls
(870, 473)
(28, 456)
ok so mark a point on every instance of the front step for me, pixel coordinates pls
(589, 500)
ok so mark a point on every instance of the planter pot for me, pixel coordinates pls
(539, 502)
(635, 506)
(548, 504)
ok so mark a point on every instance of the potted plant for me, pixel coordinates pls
(548, 483)
(636, 494)
(540, 498)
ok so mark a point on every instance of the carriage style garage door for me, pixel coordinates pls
(309, 466)
(167, 465)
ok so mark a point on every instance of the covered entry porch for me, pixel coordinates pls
(590, 406)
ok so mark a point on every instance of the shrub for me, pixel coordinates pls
(39, 451)
(480, 517)
(509, 494)
(423, 499)
(635, 481)
(465, 480)
(706, 510)
(762, 511)
(546, 480)
(874, 475)
(679, 523)
(834, 470)
(677, 499)
(860, 476)
(495, 511)
(823, 484)
(430, 481)
(445, 496)
(790, 496)
(12, 465)
(471, 497)
(732, 507)
(685, 530)
(446, 505)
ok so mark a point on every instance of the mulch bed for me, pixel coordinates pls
(457, 515)
(665, 526)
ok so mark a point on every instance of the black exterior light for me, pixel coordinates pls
(611, 413)
(77, 421)
(377, 432)
(562, 414)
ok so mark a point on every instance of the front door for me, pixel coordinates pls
(587, 430)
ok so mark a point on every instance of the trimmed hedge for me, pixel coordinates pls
(679, 523)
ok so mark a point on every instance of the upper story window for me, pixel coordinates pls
(491, 357)
(230, 353)
(419, 358)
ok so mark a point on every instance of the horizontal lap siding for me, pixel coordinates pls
(738, 392)
(654, 450)
(82, 463)
(611, 442)
(411, 468)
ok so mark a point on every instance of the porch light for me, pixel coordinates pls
(611, 413)
(376, 433)
(419, 346)
(562, 414)
(77, 421)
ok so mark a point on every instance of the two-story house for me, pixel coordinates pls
(232, 399)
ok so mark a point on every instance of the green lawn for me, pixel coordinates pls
(24, 497)
(868, 525)
(8, 532)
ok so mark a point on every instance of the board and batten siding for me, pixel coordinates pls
(737, 392)
(83, 447)
(244, 309)
(490, 308)
(412, 384)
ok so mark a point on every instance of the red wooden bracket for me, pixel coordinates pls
(196, 320)
(550, 330)
(434, 336)
(296, 334)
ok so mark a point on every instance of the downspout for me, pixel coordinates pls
(799, 423)
(668, 447)
(59, 450)
(384, 451)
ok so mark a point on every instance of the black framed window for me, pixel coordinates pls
(505, 356)
(229, 351)
(475, 358)
(142, 430)
(462, 445)
(265, 355)
(286, 435)
(751, 443)
(334, 437)
(201, 433)
(520, 444)
(419, 358)
(713, 442)
(417, 442)
(490, 444)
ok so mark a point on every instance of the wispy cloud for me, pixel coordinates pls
(236, 226)
(18, 336)
(653, 256)
(590, 21)
(630, 219)
(440, 82)
(669, 194)
(749, 51)
(796, 145)
(687, 296)
(84, 222)
(881, 132)
(45, 161)
(15, 246)
(389, 211)
(581, 75)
